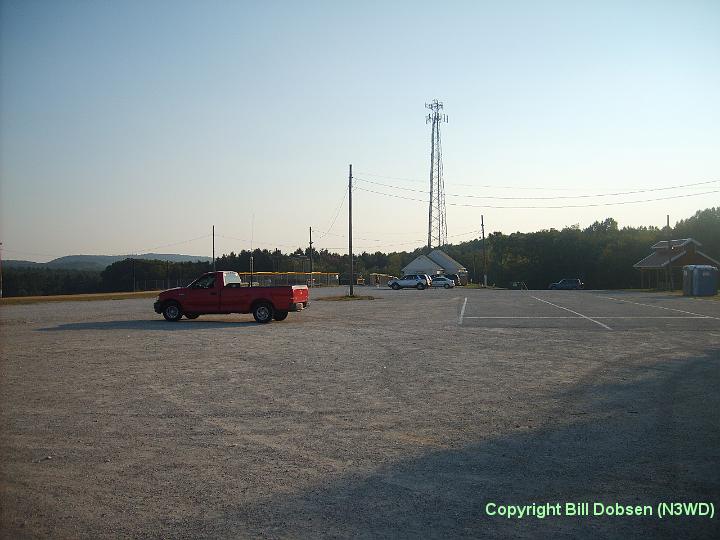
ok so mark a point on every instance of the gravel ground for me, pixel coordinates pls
(403, 416)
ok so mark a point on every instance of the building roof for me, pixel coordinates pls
(449, 265)
(677, 243)
(423, 265)
(435, 262)
(657, 259)
(682, 248)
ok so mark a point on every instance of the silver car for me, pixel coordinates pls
(442, 281)
(414, 281)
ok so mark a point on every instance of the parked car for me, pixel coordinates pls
(416, 281)
(224, 292)
(567, 284)
(454, 277)
(443, 281)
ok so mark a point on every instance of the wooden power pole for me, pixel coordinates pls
(350, 250)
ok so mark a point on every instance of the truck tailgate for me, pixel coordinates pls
(299, 294)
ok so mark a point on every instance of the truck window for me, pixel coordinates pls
(232, 277)
(205, 282)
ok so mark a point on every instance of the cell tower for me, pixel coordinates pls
(437, 226)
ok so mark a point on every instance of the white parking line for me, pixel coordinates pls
(568, 317)
(462, 311)
(698, 315)
(583, 317)
(575, 312)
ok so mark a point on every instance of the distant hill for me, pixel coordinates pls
(21, 264)
(100, 262)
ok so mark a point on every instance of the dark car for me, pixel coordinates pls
(567, 284)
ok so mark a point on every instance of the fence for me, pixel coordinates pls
(327, 279)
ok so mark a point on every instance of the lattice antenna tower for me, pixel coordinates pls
(437, 225)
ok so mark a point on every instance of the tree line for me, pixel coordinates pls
(601, 255)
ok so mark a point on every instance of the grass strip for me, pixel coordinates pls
(345, 298)
(16, 300)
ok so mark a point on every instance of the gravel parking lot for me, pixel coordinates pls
(403, 416)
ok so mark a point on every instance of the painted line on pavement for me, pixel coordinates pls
(462, 311)
(700, 315)
(581, 317)
(571, 311)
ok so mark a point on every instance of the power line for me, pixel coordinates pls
(172, 244)
(383, 240)
(416, 180)
(494, 186)
(337, 213)
(258, 241)
(547, 207)
(616, 194)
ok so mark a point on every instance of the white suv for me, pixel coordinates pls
(416, 281)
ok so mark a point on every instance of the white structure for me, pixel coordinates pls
(436, 262)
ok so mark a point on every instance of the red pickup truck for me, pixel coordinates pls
(224, 292)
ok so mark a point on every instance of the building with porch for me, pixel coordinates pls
(665, 264)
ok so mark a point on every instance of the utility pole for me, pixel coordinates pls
(482, 227)
(350, 250)
(252, 249)
(214, 269)
(437, 226)
(668, 272)
(311, 259)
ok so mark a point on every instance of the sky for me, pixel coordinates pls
(136, 126)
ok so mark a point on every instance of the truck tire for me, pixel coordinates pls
(280, 315)
(191, 315)
(172, 312)
(263, 312)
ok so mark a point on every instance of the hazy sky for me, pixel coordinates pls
(136, 126)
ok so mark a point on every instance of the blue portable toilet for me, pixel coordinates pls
(700, 280)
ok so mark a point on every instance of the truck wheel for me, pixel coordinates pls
(263, 313)
(172, 312)
(280, 315)
(191, 315)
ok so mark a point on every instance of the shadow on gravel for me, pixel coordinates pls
(159, 325)
(654, 436)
